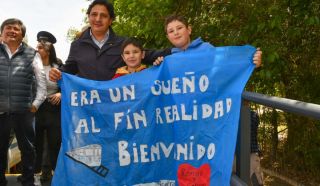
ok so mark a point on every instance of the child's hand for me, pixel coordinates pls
(257, 58)
(158, 61)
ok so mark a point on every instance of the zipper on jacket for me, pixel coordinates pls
(9, 84)
(10, 75)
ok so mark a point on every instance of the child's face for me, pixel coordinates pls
(132, 56)
(179, 34)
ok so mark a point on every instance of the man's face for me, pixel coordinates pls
(99, 19)
(12, 33)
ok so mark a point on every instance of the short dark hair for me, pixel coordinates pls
(175, 17)
(12, 21)
(131, 41)
(105, 3)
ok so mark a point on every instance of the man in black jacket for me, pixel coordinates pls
(97, 53)
(19, 65)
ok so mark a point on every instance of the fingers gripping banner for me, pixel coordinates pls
(175, 124)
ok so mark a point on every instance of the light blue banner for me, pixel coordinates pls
(175, 124)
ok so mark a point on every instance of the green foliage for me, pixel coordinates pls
(72, 33)
(142, 19)
(287, 31)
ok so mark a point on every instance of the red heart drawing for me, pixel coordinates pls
(189, 175)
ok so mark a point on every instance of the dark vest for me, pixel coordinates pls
(16, 79)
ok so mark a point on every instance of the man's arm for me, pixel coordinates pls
(152, 55)
(70, 66)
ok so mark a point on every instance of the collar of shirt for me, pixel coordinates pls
(193, 44)
(124, 69)
(10, 54)
(102, 42)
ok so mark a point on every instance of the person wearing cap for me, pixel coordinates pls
(48, 123)
(20, 69)
(44, 36)
(96, 54)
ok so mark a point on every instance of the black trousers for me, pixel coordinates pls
(48, 121)
(23, 126)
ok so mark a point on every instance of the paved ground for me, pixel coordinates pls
(12, 180)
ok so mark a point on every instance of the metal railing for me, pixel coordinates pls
(242, 176)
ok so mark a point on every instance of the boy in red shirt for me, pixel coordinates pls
(132, 55)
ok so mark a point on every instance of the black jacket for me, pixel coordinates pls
(16, 79)
(87, 60)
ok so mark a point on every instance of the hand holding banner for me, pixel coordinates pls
(169, 125)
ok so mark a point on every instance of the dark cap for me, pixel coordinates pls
(46, 36)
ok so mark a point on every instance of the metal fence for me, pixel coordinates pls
(242, 176)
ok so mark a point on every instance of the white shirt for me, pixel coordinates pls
(39, 74)
(102, 42)
(52, 87)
